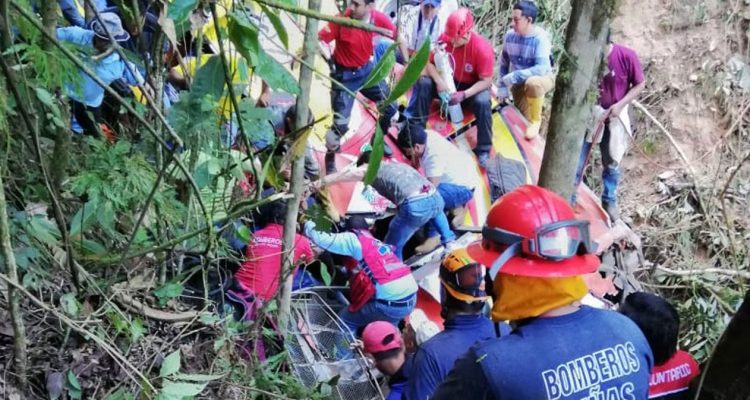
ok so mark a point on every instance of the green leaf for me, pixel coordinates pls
(70, 305)
(168, 291)
(275, 74)
(201, 176)
(73, 381)
(45, 98)
(105, 216)
(91, 247)
(376, 156)
(120, 394)
(84, 218)
(209, 79)
(324, 274)
(243, 233)
(411, 74)
(42, 230)
(219, 343)
(170, 365)
(244, 35)
(277, 24)
(183, 389)
(179, 10)
(136, 330)
(382, 68)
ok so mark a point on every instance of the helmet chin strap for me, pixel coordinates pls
(512, 251)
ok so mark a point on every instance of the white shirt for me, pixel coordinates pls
(429, 29)
(442, 159)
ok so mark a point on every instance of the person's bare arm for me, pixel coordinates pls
(634, 91)
(480, 85)
(435, 75)
(349, 174)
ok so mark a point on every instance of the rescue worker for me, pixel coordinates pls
(622, 83)
(259, 273)
(86, 103)
(417, 201)
(382, 287)
(463, 299)
(536, 252)
(472, 75)
(526, 65)
(351, 64)
(445, 166)
(673, 369)
(382, 341)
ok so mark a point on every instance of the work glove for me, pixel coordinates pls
(457, 98)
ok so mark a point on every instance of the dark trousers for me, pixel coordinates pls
(88, 117)
(425, 91)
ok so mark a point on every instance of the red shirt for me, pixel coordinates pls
(673, 376)
(354, 47)
(473, 61)
(260, 273)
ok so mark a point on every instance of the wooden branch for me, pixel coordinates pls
(56, 207)
(314, 14)
(132, 372)
(134, 305)
(20, 360)
(669, 136)
(720, 271)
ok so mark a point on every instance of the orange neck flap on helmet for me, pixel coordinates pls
(520, 297)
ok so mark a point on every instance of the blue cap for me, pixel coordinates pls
(434, 3)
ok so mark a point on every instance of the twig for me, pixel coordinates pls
(128, 368)
(20, 360)
(307, 12)
(56, 207)
(237, 210)
(728, 220)
(661, 127)
(139, 307)
(720, 271)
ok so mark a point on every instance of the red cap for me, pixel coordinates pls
(380, 336)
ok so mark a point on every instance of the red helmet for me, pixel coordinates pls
(459, 23)
(532, 231)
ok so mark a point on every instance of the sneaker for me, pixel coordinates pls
(428, 245)
(452, 245)
(612, 211)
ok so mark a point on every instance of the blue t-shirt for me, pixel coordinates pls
(589, 354)
(435, 357)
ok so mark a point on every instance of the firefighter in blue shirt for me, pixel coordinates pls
(463, 299)
(560, 349)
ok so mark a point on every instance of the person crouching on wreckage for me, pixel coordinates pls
(560, 349)
(382, 287)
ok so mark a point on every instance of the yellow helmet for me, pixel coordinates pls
(463, 277)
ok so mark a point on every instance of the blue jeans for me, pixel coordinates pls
(610, 169)
(454, 196)
(412, 215)
(375, 310)
(424, 91)
(381, 47)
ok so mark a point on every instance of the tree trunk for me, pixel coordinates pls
(14, 299)
(297, 181)
(576, 91)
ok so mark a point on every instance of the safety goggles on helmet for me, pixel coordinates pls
(468, 280)
(556, 241)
